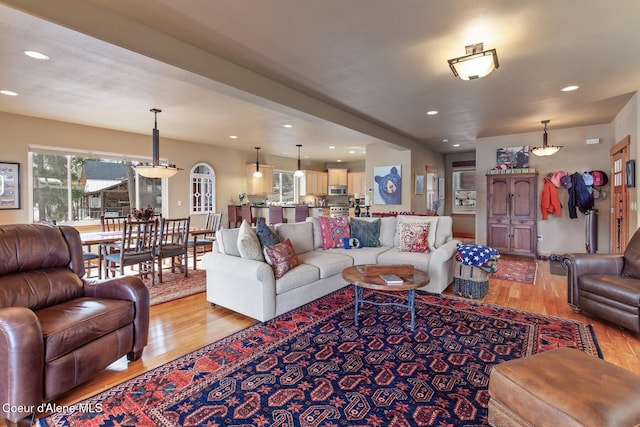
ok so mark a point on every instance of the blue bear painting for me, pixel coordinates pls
(390, 187)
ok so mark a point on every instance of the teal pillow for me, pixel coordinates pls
(265, 234)
(367, 231)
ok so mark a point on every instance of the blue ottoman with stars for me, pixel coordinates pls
(473, 265)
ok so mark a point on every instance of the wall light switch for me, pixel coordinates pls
(179, 202)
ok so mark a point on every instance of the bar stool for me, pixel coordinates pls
(247, 214)
(234, 219)
(301, 213)
(276, 215)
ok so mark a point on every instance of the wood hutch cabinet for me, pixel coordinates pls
(512, 213)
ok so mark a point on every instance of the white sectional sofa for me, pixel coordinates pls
(250, 287)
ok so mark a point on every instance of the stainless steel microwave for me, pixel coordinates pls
(337, 190)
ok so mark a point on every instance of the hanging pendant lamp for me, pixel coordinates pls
(155, 169)
(545, 150)
(257, 173)
(299, 172)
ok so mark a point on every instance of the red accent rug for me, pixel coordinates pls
(175, 285)
(314, 367)
(516, 269)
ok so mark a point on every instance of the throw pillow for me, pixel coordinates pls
(266, 235)
(281, 257)
(333, 230)
(351, 243)
(431, 220)
(412, 237)
(248, 243)
(367, 231)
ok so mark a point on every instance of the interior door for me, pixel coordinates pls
(619, 221)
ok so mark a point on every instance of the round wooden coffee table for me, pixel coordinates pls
(355, 275)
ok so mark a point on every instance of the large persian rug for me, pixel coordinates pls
(314, 367)
(516, 269)
(175, 285)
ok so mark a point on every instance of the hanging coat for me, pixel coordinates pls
(549, 200)
(579, 196)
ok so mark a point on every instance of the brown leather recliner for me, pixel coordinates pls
(57, 329)
(607, 285)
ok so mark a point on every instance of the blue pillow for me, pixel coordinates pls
(367, 231)
(351, 243)
(265, 234)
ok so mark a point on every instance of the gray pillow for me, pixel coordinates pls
(266, 234)
(248, 243)
(367, 231)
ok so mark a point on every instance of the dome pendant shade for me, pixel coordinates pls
(299, 172)
(155, 169)
(545, 150)
(476, 63)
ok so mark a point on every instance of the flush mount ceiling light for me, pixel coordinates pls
(299, 172)
(257, 173)
(545, 150)
(155, 169)
(475, 64)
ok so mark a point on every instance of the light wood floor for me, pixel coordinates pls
(180, 326)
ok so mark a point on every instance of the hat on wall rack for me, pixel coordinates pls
(545, 149)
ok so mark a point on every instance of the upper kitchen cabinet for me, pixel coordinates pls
(313, 183)
(337, 176)
(355, 183)
(259, 186)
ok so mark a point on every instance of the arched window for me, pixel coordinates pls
(203, 189)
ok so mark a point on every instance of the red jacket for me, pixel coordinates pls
(550, 201)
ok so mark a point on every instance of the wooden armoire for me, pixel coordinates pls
(512, 213)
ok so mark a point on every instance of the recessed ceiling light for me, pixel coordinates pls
(456, 145)
(351, 152)
(233, 136)
(339, 161)
(287, 126)
(445, 140)
(432, 113)
(569, 88)
(332, 147)
(36, 55)
(9, 92)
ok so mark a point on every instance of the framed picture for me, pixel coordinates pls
(513, 157)
(631, 173)
(9, 185)
(419, 184)
(387, 185)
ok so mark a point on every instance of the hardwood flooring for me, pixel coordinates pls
(180, 326)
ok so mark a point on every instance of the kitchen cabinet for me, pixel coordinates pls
(337, 176)
(512, 213)
(313, 183)
(259, 186)
(355, 183)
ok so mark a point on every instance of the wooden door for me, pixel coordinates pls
(618, 221)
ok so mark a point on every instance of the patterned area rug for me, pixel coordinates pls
(314, 367)
(516, 269)
(175, 285)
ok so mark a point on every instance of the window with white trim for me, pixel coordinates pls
(464, 191)
(203, 189)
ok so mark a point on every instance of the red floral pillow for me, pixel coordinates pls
(412, 237)
(333, 230)
(282, 257)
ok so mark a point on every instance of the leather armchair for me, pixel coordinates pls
(56, 328)
(606, 285)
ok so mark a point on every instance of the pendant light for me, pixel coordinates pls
(155, 169)
(476, 63)
(257, 173)
(299, 172)
(545, 150)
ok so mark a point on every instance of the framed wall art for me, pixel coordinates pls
(419, 184)
(513, 157)
(9, 185)
(388, 185)
(631, 173)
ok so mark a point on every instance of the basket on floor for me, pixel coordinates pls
(470, 281)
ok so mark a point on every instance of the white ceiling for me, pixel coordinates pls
(343, 73)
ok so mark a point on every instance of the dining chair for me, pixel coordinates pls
(172, 243)
(200, 243)
(276, 215)
(112, 223)
(137, 247)
(87, 256)
(247, 214)
(234, 219)
(301, 213)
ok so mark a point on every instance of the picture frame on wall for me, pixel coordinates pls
(631, 173)
(9, 185)
(419, 184)
(513, 157)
